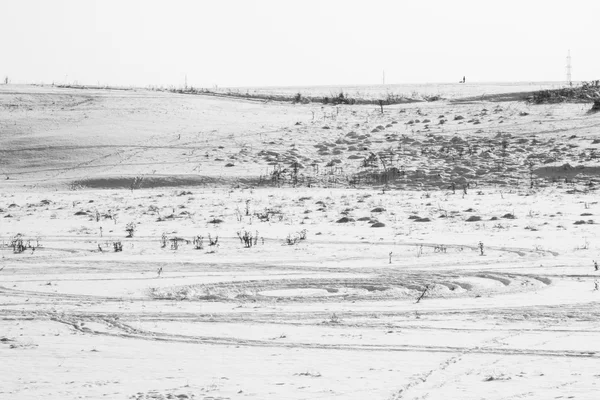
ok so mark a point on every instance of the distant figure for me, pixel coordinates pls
(159, 271)
(596, 285)
(595, 265)
(464, 79)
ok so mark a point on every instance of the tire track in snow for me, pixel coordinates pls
(128, 332)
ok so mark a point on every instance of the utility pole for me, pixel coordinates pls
(185, 86)
(384, 76)
(569, 68)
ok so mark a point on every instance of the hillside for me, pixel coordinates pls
(108, 138)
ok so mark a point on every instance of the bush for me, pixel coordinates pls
(586, 91)
(295, 238)
(247, 238)
(340, 98)
(17, 244)
(130, 229)
(198, 242)
(212, 242)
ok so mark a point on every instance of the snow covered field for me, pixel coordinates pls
(457, 264)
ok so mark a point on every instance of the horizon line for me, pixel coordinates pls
(99, 85)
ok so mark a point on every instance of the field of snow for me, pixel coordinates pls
(386, 255)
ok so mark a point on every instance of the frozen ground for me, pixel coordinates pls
(411, 308)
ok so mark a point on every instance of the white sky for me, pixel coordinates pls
(289, 42)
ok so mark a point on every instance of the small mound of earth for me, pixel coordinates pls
(344, 220)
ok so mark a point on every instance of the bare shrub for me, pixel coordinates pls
(212, 242)
(247, 239)
(130, 229)
(198, 242)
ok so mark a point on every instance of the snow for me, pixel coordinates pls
(334, 315)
